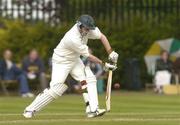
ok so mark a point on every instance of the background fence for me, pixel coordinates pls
(113, 12)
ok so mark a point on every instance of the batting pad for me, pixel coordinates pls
(86, 100)
(47, 96)
(86, 97)
(57, 90)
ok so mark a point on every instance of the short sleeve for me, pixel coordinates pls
(94, 34)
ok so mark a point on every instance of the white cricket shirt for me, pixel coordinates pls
(72, 45)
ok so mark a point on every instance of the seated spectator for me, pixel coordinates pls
(163, 71)
(9, 71)
(34, 68)
(176, 67)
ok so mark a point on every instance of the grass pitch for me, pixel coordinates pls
(128, 108)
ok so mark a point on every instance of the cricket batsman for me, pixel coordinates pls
(66, 60)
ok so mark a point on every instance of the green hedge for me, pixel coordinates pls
(21, 37)
(130, 41)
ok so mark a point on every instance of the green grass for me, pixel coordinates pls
(128, 108)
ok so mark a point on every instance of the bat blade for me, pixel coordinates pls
(108, 92)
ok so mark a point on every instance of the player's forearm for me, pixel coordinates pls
(94, 59)
(106, 44)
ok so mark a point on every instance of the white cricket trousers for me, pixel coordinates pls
(80, 73)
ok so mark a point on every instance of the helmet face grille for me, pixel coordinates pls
(87, 21)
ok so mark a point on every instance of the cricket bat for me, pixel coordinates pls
(108, 91)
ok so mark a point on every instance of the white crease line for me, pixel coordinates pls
(90, 120)
(113, 114)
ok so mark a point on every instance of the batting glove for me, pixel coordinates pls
(113, 56)
(108, 66)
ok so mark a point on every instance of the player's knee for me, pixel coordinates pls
(83, 85)
(83, 82)
(56, 90)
